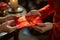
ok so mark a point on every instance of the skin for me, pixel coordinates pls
(43, 27)
(5, 24)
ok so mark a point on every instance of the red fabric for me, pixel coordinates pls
(29, 22)
(46, 11)
(53, 6)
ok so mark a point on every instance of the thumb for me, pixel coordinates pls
(14, 27)
(41, 25)
(11, 29)
(11, 17)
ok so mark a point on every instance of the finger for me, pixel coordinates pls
(35, 12)
(2, 19)
(9, 22)
(14, 27)
(11, 17)
(17, 27)
(11, 29)
(29, 14)
(41, 25)
(37, 28)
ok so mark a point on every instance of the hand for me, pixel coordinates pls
(2, 19)
(11, 17)
(43, 27)
(6, 26)
(34, 12)
(6, 18)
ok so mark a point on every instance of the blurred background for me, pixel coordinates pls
(30, 33)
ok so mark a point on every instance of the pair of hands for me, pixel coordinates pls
(43, 27)
(7, 24)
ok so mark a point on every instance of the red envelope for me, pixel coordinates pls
(28, 21)
(35, 19)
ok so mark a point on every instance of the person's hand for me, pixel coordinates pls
(34, 12)
(11, 17)
(43, 27)
(2, 19)
(8, 17)
(8, 26)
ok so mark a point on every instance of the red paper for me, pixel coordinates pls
(28, 21)
(35, 19)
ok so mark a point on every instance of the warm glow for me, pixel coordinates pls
(4, 12)
(14, 3)
(13, 0)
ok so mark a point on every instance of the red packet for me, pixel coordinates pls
(21, 22)
(28, 21)
(34, 19)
